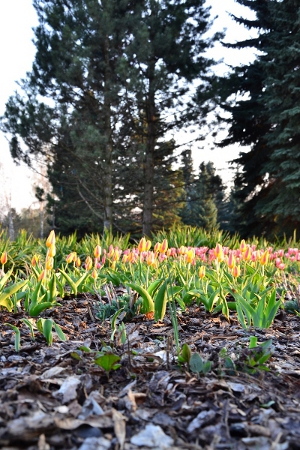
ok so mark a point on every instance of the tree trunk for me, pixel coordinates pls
(11, 230)
(149, 158)
(107, 179)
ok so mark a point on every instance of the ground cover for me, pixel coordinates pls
(188, 374)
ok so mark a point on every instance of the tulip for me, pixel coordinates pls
(247, 254)
(231, 260)
(94, 274)
(51, 250)
(218, 252)
(236, 271)
(243, 246)
(88, 263)
(41, 275)
(264, 258)
(190, 255)
(202, 272)
(164, 246)
(49, 263)
(97, 251)
(142, 245)
(71, 257)
(157, 247)
(51, 239)
(34, 260)
(3, 258)
(78, 262)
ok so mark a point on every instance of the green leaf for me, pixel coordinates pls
(253, 342)
(37, 309)
(8, 292)
(148, 303)
(108, 361)
(17, 336)
(30, 326)
(47, 331)
(196, 363)
(154, 286)
(7, 303)
(4, 279)
(160, 302)
(59, 332)
(85, 349)
(71, 283)
(114, 322)
(185, 353)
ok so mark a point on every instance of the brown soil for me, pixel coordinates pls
(56, 397)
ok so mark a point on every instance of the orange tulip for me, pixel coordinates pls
(41, 276)
(236, 271)
(97, 251)
(3, 258)
(264, 258)
(34, 260)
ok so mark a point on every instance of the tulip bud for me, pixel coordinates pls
(157, 247)
(69, 258)
(231, 260)
(190, 255)
(142, 245)
(41, 276)
(202, 272)
(236, 271)
(51, 239)
(264, 258)
(78, 262)
(218, 251)
(243, 245)
(3, 258)
(52, 250)
(97, 251)
(88, 263)
(49, 263)
(34, 260)
(164, 246)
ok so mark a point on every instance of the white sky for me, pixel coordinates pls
(18, 17)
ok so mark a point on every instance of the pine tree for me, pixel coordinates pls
(167, 54)
(205, 198)
(266, 118)
(102, 68)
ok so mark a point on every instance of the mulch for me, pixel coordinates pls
(56, 397)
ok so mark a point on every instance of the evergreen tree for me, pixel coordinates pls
(111, 75)
(265, 117)
(205, 199)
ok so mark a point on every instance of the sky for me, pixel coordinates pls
(18, 17)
